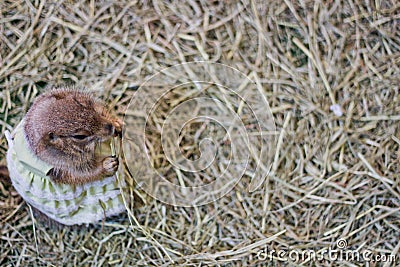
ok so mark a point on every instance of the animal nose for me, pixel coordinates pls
(110, 128)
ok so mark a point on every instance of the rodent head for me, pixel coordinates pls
(63, 126)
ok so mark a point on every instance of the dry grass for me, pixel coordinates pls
(333, 176)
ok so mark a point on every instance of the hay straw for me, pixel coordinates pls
(333, 177)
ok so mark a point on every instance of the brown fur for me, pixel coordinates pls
(63, 127)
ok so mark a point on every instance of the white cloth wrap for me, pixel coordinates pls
(66, 204)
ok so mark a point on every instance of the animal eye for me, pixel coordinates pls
(80, 136)
(52, 136)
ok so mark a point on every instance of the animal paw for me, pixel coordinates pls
(118, 124)
(110, 165)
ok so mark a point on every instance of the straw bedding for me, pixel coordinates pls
(330, 73)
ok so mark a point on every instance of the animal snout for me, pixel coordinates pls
(110, 128)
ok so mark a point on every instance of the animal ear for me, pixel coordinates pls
(53, 140)
(52, 136)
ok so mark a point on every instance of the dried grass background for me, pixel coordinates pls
(333, 176)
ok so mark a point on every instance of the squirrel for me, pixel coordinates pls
(63, 127)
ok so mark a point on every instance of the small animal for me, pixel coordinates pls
(56, 161)
(63, 127)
